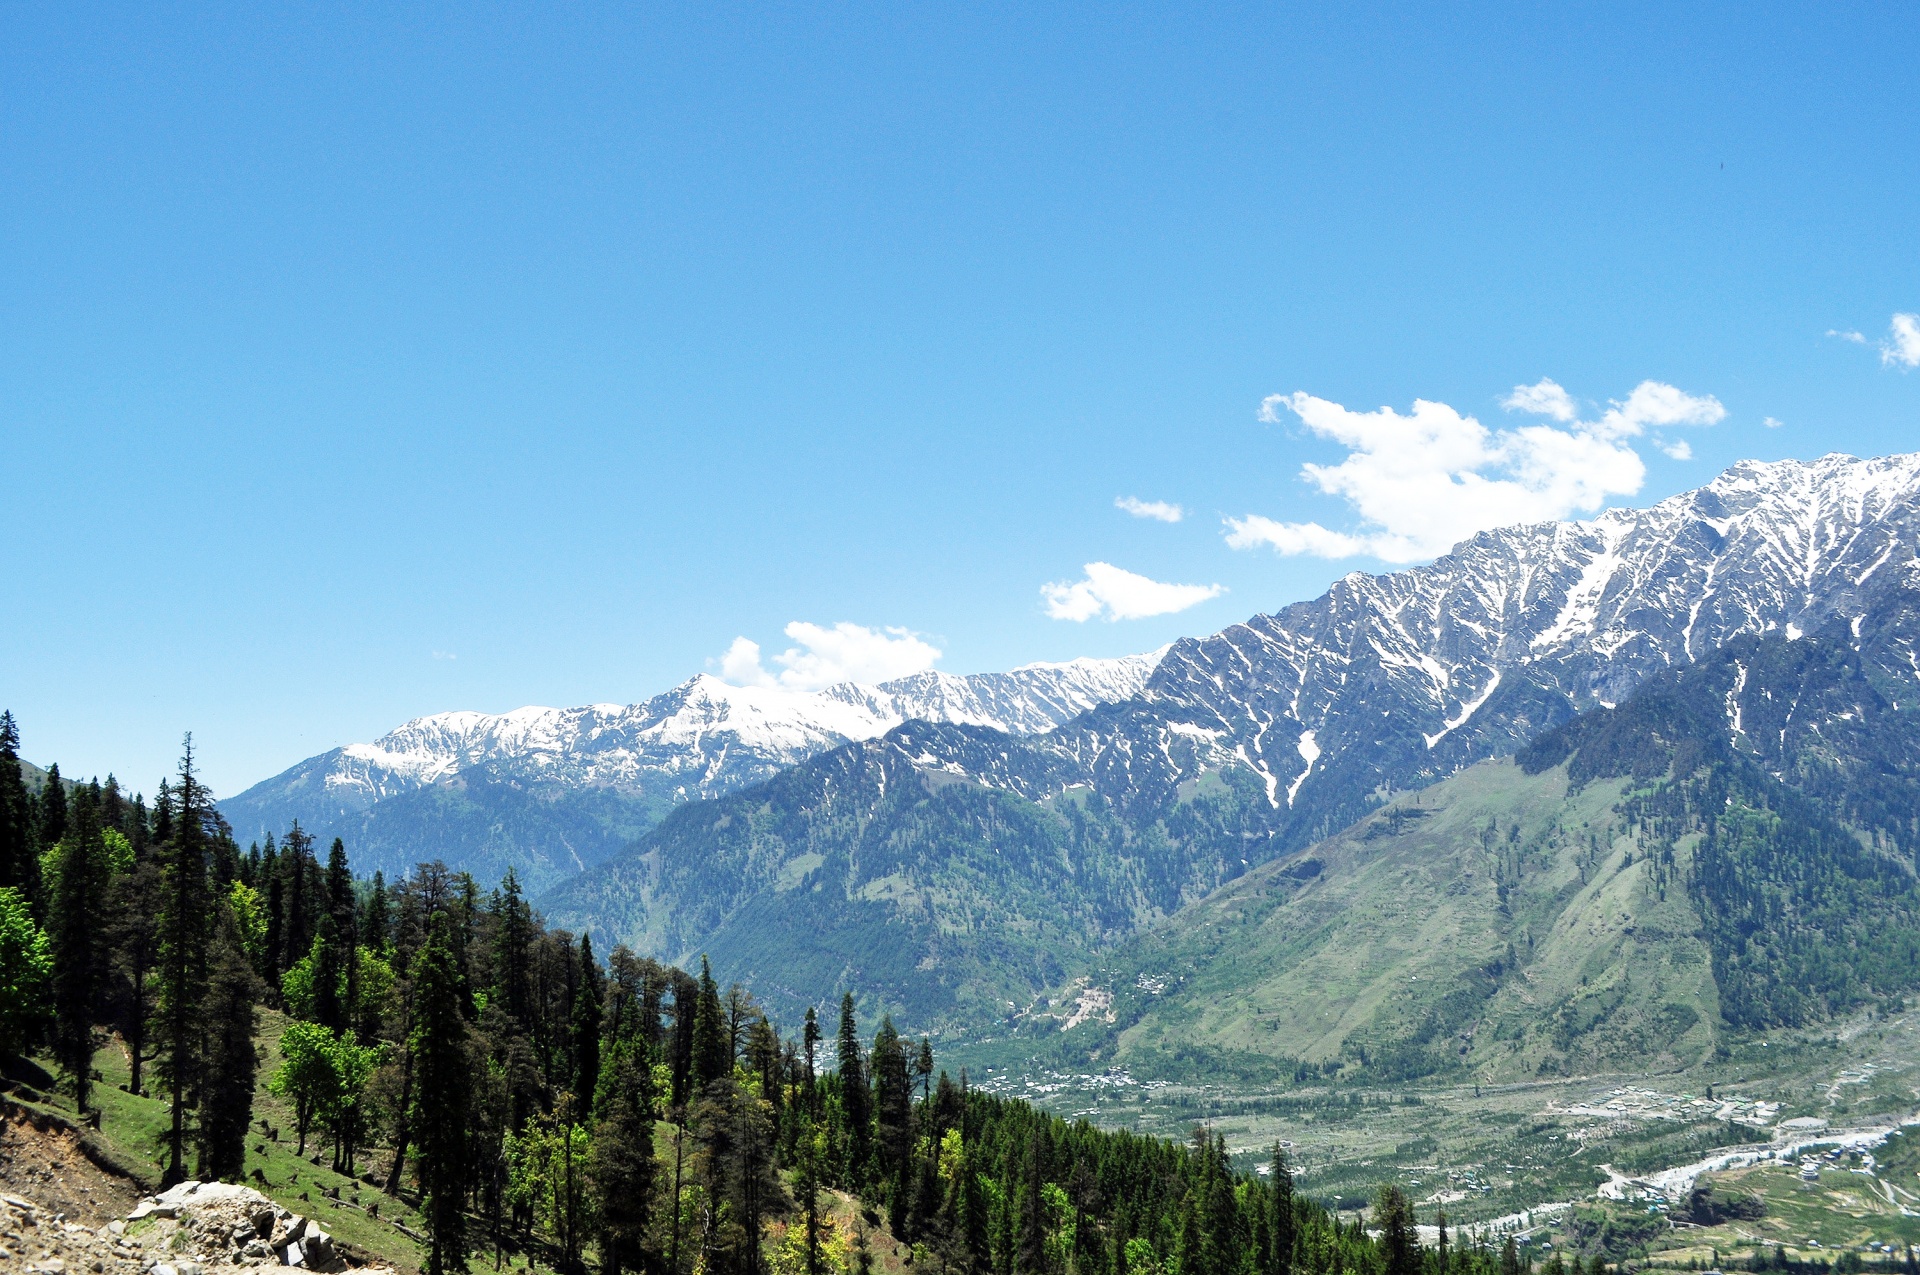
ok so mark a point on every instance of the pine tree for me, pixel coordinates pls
(442, 1087)
(136, 951)
(513, 951)
(373, 927)
(298, 925)
(893, 1102)
(1399, 1240)
(855, 1102)
(588, 998)
(342, 912)
(1282, 1229)
(328, 1010)
(810, 1037)
(185, 912)
(273, 966)
(76, 925)
(51, 823)
(712, 1057)
(812, 1151)
(623, 1164)
(226, 1096)
(1030, 1239)
(17, 868)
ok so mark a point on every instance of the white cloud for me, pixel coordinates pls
(1422, 482)
(1902, 345)
(1773, 422)
(844, 653)
(1653, 403)
(1678, 449)
(1901, 348)
(1121, 594)
(1543, 399)
(741, 664)
(1291, 538)
(1159, 510)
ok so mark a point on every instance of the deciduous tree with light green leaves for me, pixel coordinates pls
(306, 1074)
(26, 973)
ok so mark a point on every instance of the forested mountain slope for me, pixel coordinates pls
(957, 871)
(1732, 848)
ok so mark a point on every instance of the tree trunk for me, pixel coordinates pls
(401, 1131)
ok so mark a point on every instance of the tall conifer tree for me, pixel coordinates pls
(623, 1163)
(226, 1096)
(17, 868)
(712, 1056)
(1282, 1229)
(855, 1102)
(588, 997)
(77, 928)
(51, 817)
(185, 913)
(441, 1095)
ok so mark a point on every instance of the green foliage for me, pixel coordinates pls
(306, 1075)
(26, 973)
(249, 918)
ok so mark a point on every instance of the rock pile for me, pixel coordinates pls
(240, 1226)
(195, 1228)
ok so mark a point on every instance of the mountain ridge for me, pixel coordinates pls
(552, 790)
(1148, 804)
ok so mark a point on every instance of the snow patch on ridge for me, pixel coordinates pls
(1308, 748)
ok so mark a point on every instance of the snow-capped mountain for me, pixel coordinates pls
(956, 870)
(701, 738)
(1390, 681)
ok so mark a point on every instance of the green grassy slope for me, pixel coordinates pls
(1491, 925)
(1634, 889)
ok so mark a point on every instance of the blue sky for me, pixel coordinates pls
(355, 366)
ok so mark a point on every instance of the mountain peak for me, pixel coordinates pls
(700, 738)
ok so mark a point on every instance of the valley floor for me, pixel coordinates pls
(1552, 1161)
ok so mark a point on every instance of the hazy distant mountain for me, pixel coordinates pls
(955, 869)
(550, 791)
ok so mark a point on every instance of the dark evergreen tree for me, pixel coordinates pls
(135, 939)
(893, 1102)
(1399, 1238)
(588, 1000)
(712, 1056)
(185, 912)
(226, 1096)
(1281, 1229)
(855, 1102)
(328, 954)
(51, 817)
(77, 929)
(17, 868)
(623, 1163)
(513, 951)
(297, 869)
(373, 926)
(810, 1037)
(344, 914)
(441, 1091)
